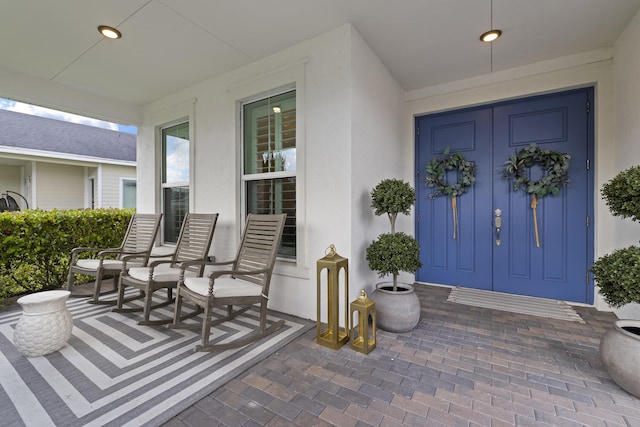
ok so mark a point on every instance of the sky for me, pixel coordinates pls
(20, 107)
(177, 162)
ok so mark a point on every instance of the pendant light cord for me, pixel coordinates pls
(491, 28)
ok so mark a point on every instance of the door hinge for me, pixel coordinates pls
(588, 164)
(418, 217)
(588, 107)
(588, 221)
(418, 131)
(587, 277)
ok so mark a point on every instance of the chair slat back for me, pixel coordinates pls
(141, 233)
(259, 247)
(195, 238)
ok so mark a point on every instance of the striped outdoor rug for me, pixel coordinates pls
(520, 304)
(114, 372)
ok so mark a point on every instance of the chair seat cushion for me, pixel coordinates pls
(224, 287)
(108, 264)
(161, 273)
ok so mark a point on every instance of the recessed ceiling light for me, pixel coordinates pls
(490, 36)
(109, 32)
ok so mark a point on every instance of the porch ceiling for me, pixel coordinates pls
(171, 44)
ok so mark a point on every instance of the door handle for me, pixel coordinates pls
(498, 223)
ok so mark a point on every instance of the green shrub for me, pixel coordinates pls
(618, 276)
(35, 245)
(393, 252)
(622, 194)
(392, 197)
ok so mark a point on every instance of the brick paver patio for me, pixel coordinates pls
(462, 366)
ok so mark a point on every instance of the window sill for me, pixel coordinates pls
(289, 269)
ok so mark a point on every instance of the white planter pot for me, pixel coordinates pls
(620, 354)
(397, 311)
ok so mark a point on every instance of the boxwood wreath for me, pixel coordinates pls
(436, 177)
(555, 166)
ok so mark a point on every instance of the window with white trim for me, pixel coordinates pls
(128, 192)
(175, 179)
(269, 166)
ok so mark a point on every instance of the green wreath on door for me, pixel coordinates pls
(555, 166)
(436, 171)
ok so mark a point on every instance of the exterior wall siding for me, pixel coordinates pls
(10, 178)
(60, 186)
(111, 181)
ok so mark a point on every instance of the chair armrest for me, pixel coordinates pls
(156, 263)
(75, 253)
(201, 262)
(214, 275)
(133, 255)
(128, 257)
(186, 264)
(108, 251)
(136, 255)
(170, 254)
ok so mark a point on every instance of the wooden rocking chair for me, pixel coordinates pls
(137, 245)
(193, 244)
(244, 283)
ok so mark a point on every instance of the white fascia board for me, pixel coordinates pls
(65, 158)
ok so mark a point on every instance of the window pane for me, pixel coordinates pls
(273, 196)
(128, 193)
(175, 173)
(175, 153)
(270, 134)
(176, 206)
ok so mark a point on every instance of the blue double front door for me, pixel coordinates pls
(509, 261)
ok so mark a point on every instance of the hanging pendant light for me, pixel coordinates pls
(491, 35)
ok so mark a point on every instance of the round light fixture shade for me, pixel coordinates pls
(490, 36)
(109, 32)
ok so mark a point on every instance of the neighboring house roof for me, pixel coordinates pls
(29, 132)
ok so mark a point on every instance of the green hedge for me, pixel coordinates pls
(35, 245)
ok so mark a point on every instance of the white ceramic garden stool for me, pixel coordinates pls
(45, 325)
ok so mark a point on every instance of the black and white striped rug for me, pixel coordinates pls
(113, 372)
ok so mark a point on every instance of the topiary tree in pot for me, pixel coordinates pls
(397, 306)
(618, 278)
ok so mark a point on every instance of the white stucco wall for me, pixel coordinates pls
(626, 134)
(348, 138)
(378, 151)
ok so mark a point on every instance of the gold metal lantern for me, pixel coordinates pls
(333, 264)
(365, 340)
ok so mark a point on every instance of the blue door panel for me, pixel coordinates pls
(558, 268)
(437, 230)
(465, 259)
(555, 236)
(488, 136)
